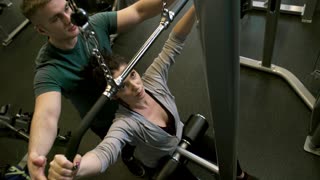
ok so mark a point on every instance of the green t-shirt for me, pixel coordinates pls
(63, 71)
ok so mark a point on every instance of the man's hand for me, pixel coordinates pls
(36, 166)
(62, 168)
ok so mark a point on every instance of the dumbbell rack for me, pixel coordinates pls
(11, 21)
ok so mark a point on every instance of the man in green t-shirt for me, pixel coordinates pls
(60, 67)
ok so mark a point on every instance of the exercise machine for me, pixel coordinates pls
(14, 125)
(312, 143)
(17, 125)
(80, 18)
(265, 65)
(194, 128)
(306, 10)
(226, 95)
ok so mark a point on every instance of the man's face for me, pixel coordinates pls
(133, 89)
(54, 20)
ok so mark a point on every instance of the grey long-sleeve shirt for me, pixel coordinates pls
(152, 143)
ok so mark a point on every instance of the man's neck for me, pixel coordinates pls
(64, 44)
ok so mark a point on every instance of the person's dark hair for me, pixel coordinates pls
(94, 70)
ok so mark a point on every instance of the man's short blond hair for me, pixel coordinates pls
(30, 7)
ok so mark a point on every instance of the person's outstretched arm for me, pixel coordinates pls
(97, 160)
(62, 168)
(172, 47)
(138, 12)
(185, 24)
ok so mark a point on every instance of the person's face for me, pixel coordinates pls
(54, 20)
(133, 89)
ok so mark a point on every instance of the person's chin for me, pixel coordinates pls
(73, 35)
(141, 94)
(74, 31)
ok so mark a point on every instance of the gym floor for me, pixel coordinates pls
(273, 120)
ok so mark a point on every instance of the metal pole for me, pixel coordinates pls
(165, 22)
(75, 140)
(316, 137)
(204, 163)
(312, 143)
(219, 31)
(140, 53)
(270, 32)
(309, 10)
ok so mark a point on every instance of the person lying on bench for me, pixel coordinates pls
(147, 117)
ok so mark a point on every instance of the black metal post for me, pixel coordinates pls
(315, 123)
(272, 15)
(219, 31)
(75, 140)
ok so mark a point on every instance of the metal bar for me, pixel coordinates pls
(310, 147)
(284, 8)
(219, 31)
(178, 7)
(316, 137)
(175, 10)
(204, 163)
(294, 82)
(315, 116)
(139, 54)
(195, 127)
(7, 41)
(17, 131)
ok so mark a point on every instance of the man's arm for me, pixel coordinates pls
(138, 12)
(43, 131)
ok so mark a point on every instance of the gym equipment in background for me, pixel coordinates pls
(265, 65)
(11, 21)
(17, 125)
(306, 10)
